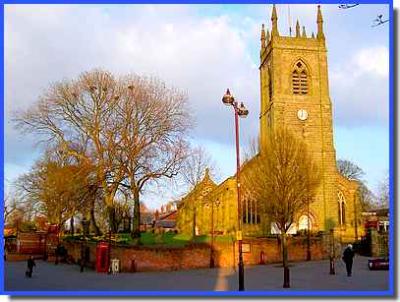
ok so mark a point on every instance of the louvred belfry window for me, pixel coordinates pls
(299, 79)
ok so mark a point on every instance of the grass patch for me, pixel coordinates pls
(123, 238)
(168, 239)
(147, 239)
(178, 240)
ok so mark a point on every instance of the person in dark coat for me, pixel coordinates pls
(31, 263)
(82, 259)
(57, 253)
(348, 256)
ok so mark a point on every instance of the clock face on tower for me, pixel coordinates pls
(302, 114)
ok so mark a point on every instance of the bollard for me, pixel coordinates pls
(81, 264)
(331, 266)
(133, 266)
(212, 261)
(262, 257)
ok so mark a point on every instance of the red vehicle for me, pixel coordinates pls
(379, 263)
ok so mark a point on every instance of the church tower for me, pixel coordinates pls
(295, 94)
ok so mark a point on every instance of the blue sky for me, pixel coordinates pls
(201, 49)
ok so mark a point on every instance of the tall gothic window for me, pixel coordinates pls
(341, 209)
(305, 222)
(270, 83)
(299, 79)
(250, 213)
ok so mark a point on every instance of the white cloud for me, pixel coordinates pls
(373, 60)
(360, 88)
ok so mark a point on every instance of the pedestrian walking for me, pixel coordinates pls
(31, 263)
(82, 264)
(348, 256)
(82, 259)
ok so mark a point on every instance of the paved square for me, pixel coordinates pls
(304, 276)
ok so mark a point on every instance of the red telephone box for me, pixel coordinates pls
(102, 260)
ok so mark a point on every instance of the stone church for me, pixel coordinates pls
(295, 94)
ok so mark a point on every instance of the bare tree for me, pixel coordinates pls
(367, 198)
(195, 166)
(10, 206)
(72, 111)
(349, 170)
(151, 121)
(116, 214)
(133, 128)
(252, 149)
(383, 193)
(283, 181)
(57, 187)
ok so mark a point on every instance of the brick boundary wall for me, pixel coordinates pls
(140, 258)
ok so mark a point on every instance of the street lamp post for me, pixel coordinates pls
(212, 260)
(332, 253)
(308, 232)
(109, 251)
(240, 110)
(112, 219)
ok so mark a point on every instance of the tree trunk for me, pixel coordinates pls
(72, 227)
(114, 221)
(93, 218)
(111, 218)
(136, 214)
(286, 278)
(194, 223)
(85, 226)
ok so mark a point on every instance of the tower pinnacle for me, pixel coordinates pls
(207, 174)
(297, 29)
(262, 36)
(274, 19)
(320, 21)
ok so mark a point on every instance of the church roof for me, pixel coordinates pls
(202, 188)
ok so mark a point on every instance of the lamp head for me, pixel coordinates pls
(242, 110)
(228, 99)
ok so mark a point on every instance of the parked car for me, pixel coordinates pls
(379, 263)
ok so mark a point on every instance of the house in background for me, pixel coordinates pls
(377, 219)
(165, 219)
